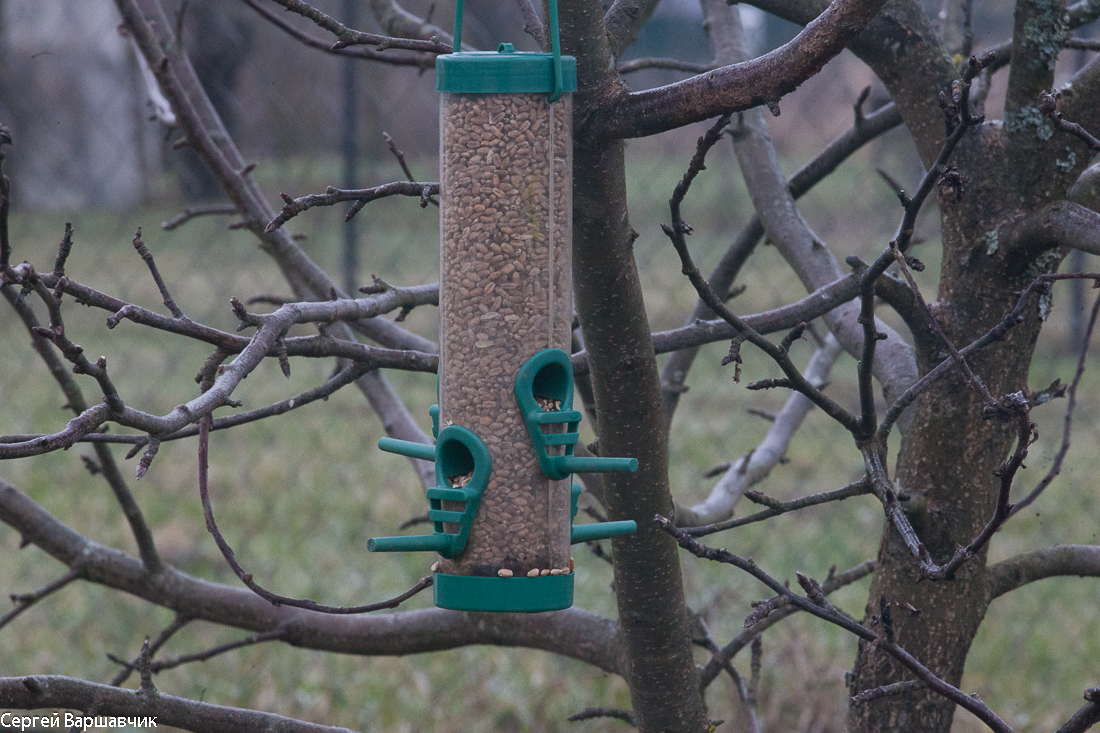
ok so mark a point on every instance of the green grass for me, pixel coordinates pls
(299, 495)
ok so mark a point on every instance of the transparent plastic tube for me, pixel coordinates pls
(505, 294)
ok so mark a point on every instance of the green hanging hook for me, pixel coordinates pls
(456, 47)
(555, 47)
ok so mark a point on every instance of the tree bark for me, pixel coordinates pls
(654, 618)
(947, 459)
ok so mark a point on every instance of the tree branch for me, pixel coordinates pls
(1082, 561)
(864, 130)
(350, 37)
(1061, 224)
(574, 633)
(738, 87)
(775, 508)
(777, 613)
(419, 60)
(68, 693)
(816, 604)
(75, 399)
(753, 467)
(623, 20)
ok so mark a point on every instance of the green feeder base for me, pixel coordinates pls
(504, 595)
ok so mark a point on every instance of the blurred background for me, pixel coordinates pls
(299, 495)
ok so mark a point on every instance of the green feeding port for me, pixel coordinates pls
(548, 377)
(597, 530)
(462, 468)
(523, 595)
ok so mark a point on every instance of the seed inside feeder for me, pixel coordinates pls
(505, 294)
(548, 404)
(459, 482)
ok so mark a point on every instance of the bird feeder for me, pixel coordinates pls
(504, 500)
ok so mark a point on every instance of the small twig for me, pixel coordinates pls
(958, 120)
(650, 62)
(892, 690)
(5, 207)
(147, 256)
(292, 207)
(421, 60)
(349, 37)
(952, 693)
(400, 155)
(160, 666)
(1056, 465)
(858, 488)
(996, 333)
(1087, 716)
(972, 379)
(246, 577)
(162, 638)
(23, 601)
(676, 233)
(193, 212)
(745, 693)
(1048, 105)
(779, 610)
(63, 251)
(1083, 44)
(626, 716)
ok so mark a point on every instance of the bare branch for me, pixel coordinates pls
(23, 601)
(649, 62)
(421, 60)
(624, 19)
(775, 508)
(865, 129)
(246, 577)
(738, 87)
(399, 22)
(574, 633)
(754, 467)
(892, 690)
(161, 665)
(997, 333)
(68, 693)
(677, 231)
(147, 256)
(532, 23)
(1056, 464)
(823, 610)
(75, 399)
(1082, 561)
(1061, 224)
(777, 613)
(194, 212)
(292, 207)
(350, 37)
(626, 716)
(1087, 716)
(151, 648)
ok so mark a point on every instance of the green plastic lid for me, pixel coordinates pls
(506, 71)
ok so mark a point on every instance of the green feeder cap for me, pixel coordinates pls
(506, 71)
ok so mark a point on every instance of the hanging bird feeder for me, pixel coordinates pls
(504, 501)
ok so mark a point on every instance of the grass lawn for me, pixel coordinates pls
(298, 496)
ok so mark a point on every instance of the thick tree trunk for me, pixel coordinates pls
(655, 628)
(947, 461)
